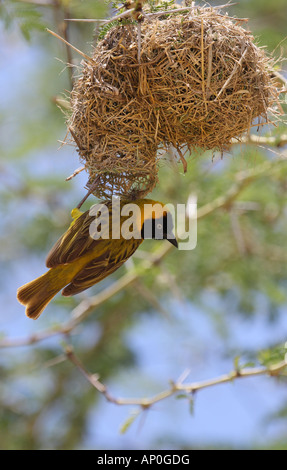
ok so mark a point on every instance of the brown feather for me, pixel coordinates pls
(38, 293)
(100, 268)
(85, 280)
(72, 244)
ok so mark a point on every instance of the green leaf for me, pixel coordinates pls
(129, 421)
(271, 356)
(26, 15)
(236, 363)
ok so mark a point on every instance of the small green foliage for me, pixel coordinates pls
(189, 397)
(271, 356)
(236, 363)
(129, 421)
(107, 27)
(27, 17)
(165, 5)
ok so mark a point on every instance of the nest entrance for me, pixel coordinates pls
(201, 82)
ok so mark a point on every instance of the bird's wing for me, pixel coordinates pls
(89, 276)
(75, 242)
(101, 267)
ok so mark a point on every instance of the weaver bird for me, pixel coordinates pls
(84, 255)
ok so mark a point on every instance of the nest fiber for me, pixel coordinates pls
(201, 81)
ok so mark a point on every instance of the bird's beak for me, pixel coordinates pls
(171, 238)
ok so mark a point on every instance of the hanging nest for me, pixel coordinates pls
(200, 83)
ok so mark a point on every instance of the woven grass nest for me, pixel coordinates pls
(201, 81)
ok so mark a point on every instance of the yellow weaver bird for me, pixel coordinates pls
(84, 255)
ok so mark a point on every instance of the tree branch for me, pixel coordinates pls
(276, 141)
(176, 387)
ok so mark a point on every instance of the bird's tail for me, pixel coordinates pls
(38, 293)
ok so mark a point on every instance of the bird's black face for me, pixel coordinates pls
(159, 229)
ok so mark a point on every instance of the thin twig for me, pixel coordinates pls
(280, 78)
(35, 337)
(139, 30)
(90, 20)
(176, 387)
(76, 172)
(41, 3)
(209, 69)
(277, 141)
(90, 191)
(88, 58)
(202, 64)
(157, 13)
(237, 64)
(183, 160)
(65, 28)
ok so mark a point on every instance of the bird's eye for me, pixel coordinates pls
(159, 226)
